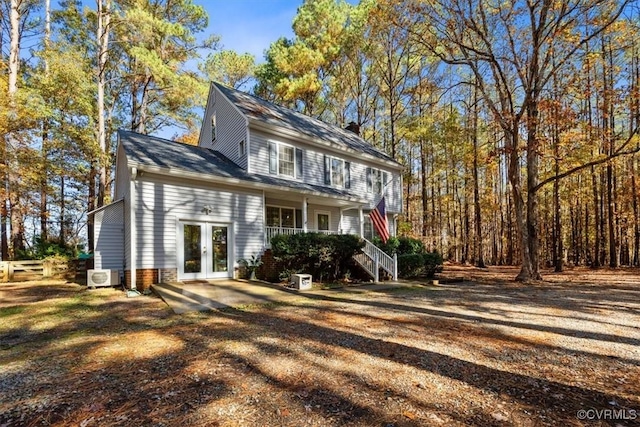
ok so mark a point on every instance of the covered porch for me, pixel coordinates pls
(286, 213)
(294, 214)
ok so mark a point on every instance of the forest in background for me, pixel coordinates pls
(517, 121)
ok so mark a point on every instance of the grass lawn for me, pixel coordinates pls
(487, 352)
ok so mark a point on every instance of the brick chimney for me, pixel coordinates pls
(353, 127)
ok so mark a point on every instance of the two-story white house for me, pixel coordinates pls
(190, 212)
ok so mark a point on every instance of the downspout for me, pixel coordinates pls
(133, 291)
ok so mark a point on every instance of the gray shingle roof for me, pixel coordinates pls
(146, 150)
(266, 112)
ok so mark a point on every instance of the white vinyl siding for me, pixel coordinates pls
(334, 216)
(314, 167)
(109, 237)
(163, 202)
(122, 191)
(351, 222)
(231, 128)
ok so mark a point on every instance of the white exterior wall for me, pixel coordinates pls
(109, 237)
(313, 173)
(351, 222)
(231, 128)
(334, 216)
(122, 191)
(163, 202)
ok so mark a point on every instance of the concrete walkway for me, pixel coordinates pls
(202, 295)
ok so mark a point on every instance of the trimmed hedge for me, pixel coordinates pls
(401, 245)
(412, 265)
(413, 258)
(325, 256)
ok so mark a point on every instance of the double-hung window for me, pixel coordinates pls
(337, 172)
(285, 160)
(376, 180)
(286, 164)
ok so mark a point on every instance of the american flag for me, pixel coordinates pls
(379, 219)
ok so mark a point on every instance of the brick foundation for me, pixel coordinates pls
(145, 277)
(168, 275)
(269, 270)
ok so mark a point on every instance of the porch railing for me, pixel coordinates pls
(270, 232)
(372, 259)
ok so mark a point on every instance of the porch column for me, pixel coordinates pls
(361, 214)
(304, 214)
(264, 219)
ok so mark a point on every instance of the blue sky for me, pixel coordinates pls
(250, 25)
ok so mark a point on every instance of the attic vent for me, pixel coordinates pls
(214, 131)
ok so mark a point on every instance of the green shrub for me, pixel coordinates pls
(400, 245)
(325, 256)
(425, 264)
(41, 249)
(408, 245)
(410, 265)
(432, 264)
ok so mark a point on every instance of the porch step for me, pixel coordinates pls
(373, 260)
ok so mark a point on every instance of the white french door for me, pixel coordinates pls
(204, 250)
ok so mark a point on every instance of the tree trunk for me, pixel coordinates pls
(425, 199)
(44, 214)
(104, 18)
(15, 216)
(476, 186)
(526, 269)
(91, 206)
(63, 231)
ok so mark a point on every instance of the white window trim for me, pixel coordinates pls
(295, 166)
(280, 207)
(344, 171)
(293, 161)
(317, 223)
(374, 172)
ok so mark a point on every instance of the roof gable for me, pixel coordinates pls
(275, 115)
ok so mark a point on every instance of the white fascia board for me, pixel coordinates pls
(280, 130)
(104, 207)
(235, 182)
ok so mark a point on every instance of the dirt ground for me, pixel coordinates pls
(483, 352)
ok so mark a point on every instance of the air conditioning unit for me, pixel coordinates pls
(102, 278)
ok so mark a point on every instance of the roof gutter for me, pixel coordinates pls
(235, 182)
